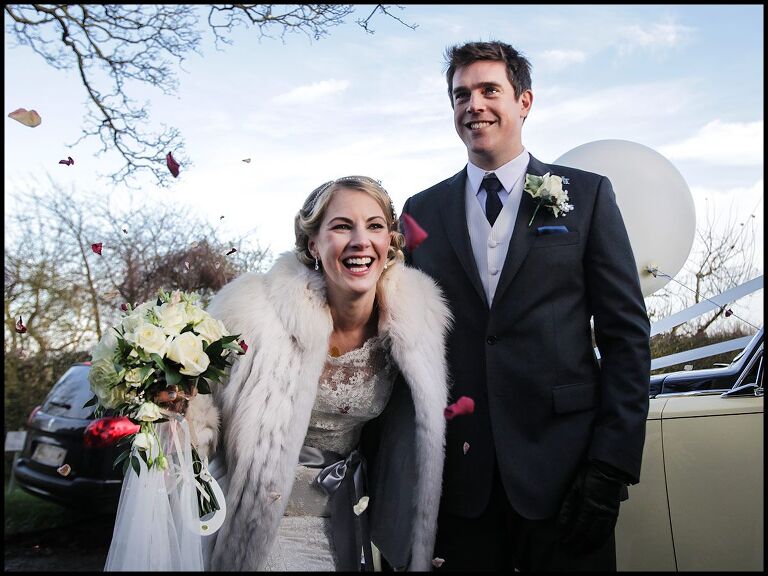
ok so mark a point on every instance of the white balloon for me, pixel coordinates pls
(654, 200)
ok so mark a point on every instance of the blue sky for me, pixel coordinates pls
(686, 81)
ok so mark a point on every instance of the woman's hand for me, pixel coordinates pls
(174, 399)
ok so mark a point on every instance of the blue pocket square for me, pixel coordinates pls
(544, 230)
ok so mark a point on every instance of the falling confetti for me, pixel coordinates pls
(465, 448)
(231, 251)
(244, 346)
(64, 469)
(68, 161)
(20, 328)
(414, 234)
(247, 160)
(27, 117)
(464, 405)
(437, 562)
(173, 166)
(97, 248)
(361, 505)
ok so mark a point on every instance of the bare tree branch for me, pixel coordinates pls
(111, 45)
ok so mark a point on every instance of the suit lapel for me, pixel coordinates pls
(454, 214)
(522, 235)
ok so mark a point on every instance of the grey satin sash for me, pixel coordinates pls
(343, 479)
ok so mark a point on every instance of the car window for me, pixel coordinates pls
(68, 395)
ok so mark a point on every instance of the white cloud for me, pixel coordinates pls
(654, 36)
(559, 59)
(312, 92)
(723, 143)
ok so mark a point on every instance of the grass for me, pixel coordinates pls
(26, 513)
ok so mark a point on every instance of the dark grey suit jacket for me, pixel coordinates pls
(543, 403)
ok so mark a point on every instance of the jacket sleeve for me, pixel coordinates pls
(622, 332)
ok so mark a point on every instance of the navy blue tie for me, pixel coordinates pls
(492, 201)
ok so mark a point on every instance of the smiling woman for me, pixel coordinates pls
(332, 440)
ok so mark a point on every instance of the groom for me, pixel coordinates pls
(533, 478)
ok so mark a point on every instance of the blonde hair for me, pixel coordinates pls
(308, 220)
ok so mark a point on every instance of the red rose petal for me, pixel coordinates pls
(20, 328)
(124, 307)
(244, 346)
(97, 248)
(173, 166)
(414, 234)
(464, 405)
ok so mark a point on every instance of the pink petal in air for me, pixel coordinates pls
(414, 234)
(27, 117)
(437, 562)
(173, 166)
(464, 405)
(97, 248)
(20, 328)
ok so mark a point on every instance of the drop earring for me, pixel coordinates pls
(317, 264)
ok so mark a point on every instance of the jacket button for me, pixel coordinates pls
(491, 340)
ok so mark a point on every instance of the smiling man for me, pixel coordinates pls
(528, 255)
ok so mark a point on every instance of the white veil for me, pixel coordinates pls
(158, 524)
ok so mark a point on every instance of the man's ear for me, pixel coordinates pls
(526, 99)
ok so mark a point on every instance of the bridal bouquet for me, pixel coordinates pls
(170, 341)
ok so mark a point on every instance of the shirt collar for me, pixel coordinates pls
(508, 174)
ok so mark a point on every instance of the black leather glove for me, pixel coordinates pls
(591, 507)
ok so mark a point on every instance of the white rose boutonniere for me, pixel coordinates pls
(548, 190)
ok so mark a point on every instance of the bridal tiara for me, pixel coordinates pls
(352, 179)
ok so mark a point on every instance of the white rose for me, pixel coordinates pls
(106, 348)
(210, 329)
(552, 185)
(196, 314)
(172, 317)
(187, 350)
(142, 441)
(151, 339)
(132, 322)
(148, 412)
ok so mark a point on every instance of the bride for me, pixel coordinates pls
(331, 425)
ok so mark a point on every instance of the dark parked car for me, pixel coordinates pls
(68, 455)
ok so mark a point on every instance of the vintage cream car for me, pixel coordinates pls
(699, 503)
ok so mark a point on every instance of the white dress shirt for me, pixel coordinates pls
(490, 243)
